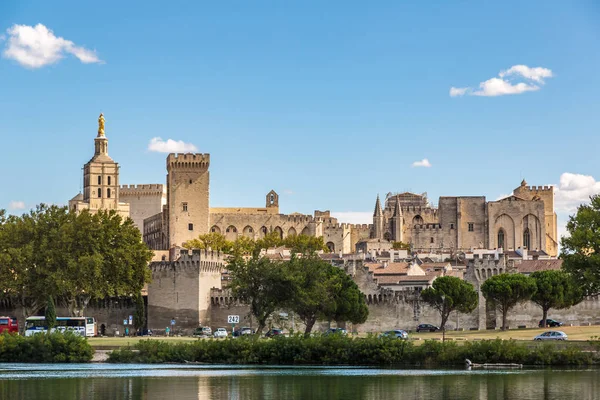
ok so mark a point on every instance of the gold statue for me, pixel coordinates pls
(101, 125)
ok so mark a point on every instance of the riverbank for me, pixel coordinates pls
(339, 350)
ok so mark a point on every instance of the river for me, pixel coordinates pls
(160, 382)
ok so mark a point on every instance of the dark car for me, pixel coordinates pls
(274, 332)
(550, 323)
(144, 332)
(427, 328)
(336, 331)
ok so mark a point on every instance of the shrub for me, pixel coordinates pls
(53, 348)
(340, 350)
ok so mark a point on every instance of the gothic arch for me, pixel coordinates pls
(532, 231)
(215, 229)
(501, 239)
(330, 246)
(505, 223)
(263, 231)
(292, 232)
(417, 220)
(231, 233)
(387, 236)
(306, 231)
(248, 232)
(279, 231)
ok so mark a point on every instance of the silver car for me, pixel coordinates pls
(551, 335)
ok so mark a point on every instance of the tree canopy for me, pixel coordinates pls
(555, 290)
(580, 249)
(71, 257)
(448, 294)
(507, 290)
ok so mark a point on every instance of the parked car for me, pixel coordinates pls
(246, 331)
(551, 335)
(427, 328)
(202, 331)
(335, 331)
(550, 323)
(221, 333)
(274, 332)
(397, 333)
(9, 324)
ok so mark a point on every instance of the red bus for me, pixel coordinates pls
(9, 324)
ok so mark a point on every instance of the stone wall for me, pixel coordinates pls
(144, 201)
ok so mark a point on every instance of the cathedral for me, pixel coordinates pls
(170, 215)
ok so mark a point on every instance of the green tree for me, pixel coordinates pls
(50, 314)
(243, 246)
(305, 244)
(555, 290)
(71, 257)
(580, 249)
(400, 246)
(263, 284)
(270, 240)
(214, 241)
(324, 291)
(448, 294)
(507, 290)
(139, 315)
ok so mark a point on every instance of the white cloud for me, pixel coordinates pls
(36, 47)
(506, 83)
(423, 163)
(16, 205)
(574, 190)
(458, 91)
(289, 192)
(170, 146)
(535, 74)
(354, 217)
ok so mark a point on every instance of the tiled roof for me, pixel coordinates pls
(393, 268)
(530, 266)
(398, 279)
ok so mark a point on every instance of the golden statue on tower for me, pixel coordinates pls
(101, 125)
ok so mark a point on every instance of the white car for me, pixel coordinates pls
(221, 333)
(551, 335)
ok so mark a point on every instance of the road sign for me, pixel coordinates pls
(124, 322)
(172, 322)
(131, 320)
(233, 319)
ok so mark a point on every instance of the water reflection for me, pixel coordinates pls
(327, 383)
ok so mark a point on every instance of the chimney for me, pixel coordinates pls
(524, 253)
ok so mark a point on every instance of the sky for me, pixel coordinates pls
(328, 103)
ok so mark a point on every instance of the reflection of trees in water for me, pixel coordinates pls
(281, 384)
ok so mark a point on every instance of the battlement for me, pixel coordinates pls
(202, 260)
(142, 190)
(419, 209)
(188, 161)
(539, 188)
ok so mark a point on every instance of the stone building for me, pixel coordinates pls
(100, 180)
(525, 219)
(188, 214)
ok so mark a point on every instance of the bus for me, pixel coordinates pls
(84, 326)
(9, 324)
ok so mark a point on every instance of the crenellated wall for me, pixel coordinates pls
(144, 201)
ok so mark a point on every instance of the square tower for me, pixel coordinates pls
(187, 197)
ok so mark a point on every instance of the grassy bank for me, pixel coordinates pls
(42, 348)
(336, 350)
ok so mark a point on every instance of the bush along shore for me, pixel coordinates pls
(42, 348)
(336, 350)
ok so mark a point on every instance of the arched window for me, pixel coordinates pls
(109, 182)
(501, 238)
(272, 198)
(330, 246)
(417, 220)
(108, 192)
(99, 180)
(231, 229)
(526, 238)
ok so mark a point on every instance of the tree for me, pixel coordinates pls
(262, 283)
(50, 314)
(214, 241)
(270, 240)
(139, 315)
(555, 289)
(507, 290)
(400, 246)
(71, 257)
(581, 248)
(448, 294)
(305, 244)
(324, 291)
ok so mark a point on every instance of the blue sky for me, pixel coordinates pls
(328, 103)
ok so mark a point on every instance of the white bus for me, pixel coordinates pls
(84, 326)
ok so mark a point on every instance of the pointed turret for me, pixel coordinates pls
(378, 220)
(378, 211)
(397, 221)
